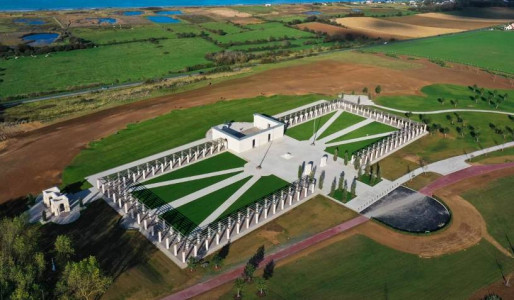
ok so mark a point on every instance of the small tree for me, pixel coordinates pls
(346, 157)
(239, 284)
(354, 186)
(379, 175)
(365, 90)
(378, 89)
(258, 257)
(356, 162)
(63, 249)
(321, 179)
(217, 261)
(248, 272)
(359, 100)
(336, 152)
(300, 171)
(192, 263)
(333, 187)
(268, 270)
(83, 280)
(262, 286)
(341, 182)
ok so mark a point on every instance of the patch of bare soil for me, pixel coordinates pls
(498, 288)
(34, 160)
(434, 20)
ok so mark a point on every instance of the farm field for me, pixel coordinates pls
(441, 20)
(484, 49)
(305, 130)
(262, 31)
(370, 129)
(219, 162)
(117, 35)
(152, 136)
(445, 96)
(343, 121)
(396, 274)
(161, 59)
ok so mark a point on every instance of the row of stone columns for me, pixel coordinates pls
(308, 114)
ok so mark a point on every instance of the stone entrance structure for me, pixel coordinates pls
(55, 201)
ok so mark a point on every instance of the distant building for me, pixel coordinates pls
(267, 5)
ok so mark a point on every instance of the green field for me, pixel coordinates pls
(495, 204)
(370, 129)
(154, 136)
(104, 35)
(343, 121)
(263, 187)
(306, 130)
(490, 50)
(102, 65)
(219, 162)
(462, 97)
(187, 217)
(351, 147)
(359, 268)
(169, 193)
(262, 31)
(228, 28)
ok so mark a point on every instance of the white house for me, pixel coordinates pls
(242, 137)
(57, 202)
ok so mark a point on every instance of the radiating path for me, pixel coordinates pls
(191, 178)
(368, 137)
(223, 207)
(231, 275)
(346, 130)
(320, 131)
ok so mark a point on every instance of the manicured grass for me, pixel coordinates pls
(263, 187)
(305, 130)
(422, 180)
(495, 203)
(351, 147)
(370, 129)
(366, 179)
(102, 65)
(219, 162)
(345, 120)
(187, 217)
(463, 94)
(169, 131)
(158, 196)
(184, 28)
(263, 31)
(104, 35)
(359, 268)
(485, 49)
(338, 195)
(436, 147)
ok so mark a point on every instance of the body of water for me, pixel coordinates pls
(40, 39)
(74, 4)
(30, 21)
(132, 13)
(163, 19)
(312, 13)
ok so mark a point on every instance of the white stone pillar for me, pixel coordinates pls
(183, 256)
(175, 252)
(167, 242)
(145, 224)
(217, 238)
(159, 235)
(138, 218)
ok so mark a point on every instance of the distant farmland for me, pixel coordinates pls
(489, 50)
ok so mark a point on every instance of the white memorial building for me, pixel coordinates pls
(242, 137)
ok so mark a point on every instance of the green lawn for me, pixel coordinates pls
(101, 65)
(167, 131)
(495, 203)
(370, 129)
(464, 96)
(359, 268)
(263, 187)
(158, 196)
(187, 217)
(305, 130)
(485, 49)
(345, 120)
(351, 147)
(219, 162)
(103, 35)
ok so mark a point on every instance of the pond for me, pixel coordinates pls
(132, 13)
(106, 20)
(168, 12)
(407, 210)
(312, 13)
(40, 39)
(29, 21)
(163, 19)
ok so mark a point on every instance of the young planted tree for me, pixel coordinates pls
(346, 157)
(379, 174)
(258, 257)
(217, 261)
(239, 285)
(336, 152)
(354, 186)
(359, 100)
(300, 172)
(333, 187)
(321, 180)
(248, 272)
(340, 182)
(357, 163)
(192, 263)
(365, 90)
(262, 286)
(378, 89)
